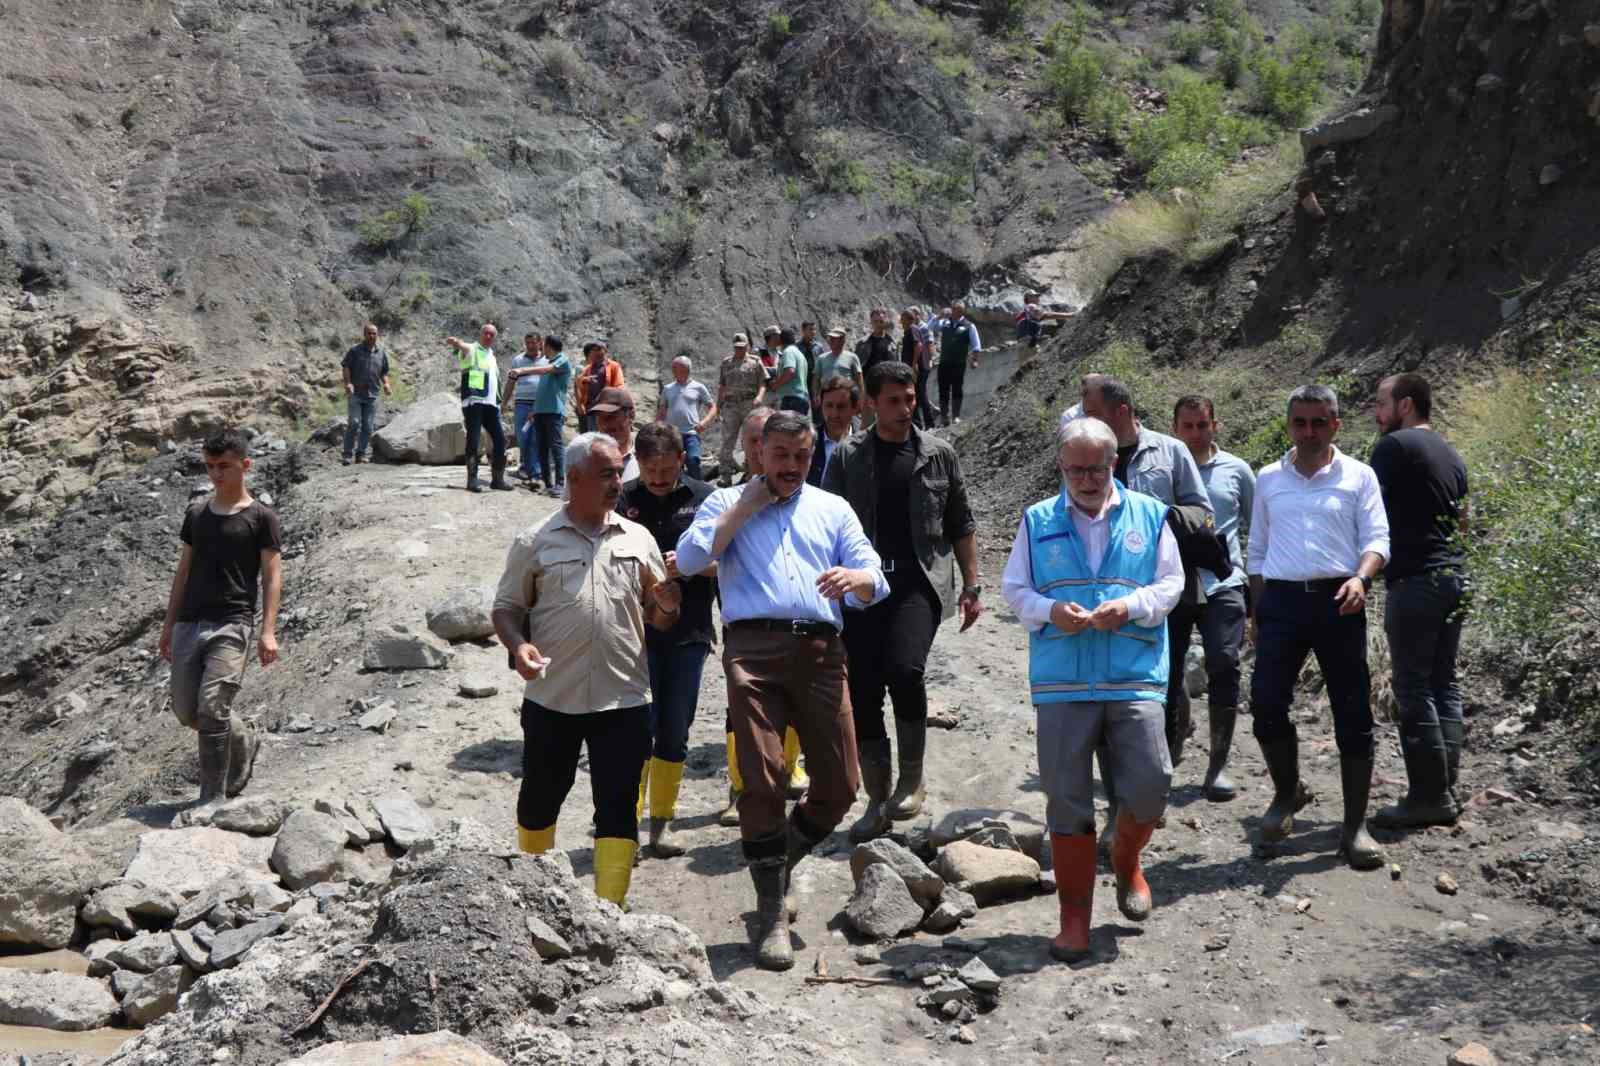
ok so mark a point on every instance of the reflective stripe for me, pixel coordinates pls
(1075, 582)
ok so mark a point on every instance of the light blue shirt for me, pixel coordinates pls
(770, 569)
(1232, 488)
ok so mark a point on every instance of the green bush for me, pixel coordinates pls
(1288, 89)
(1004, 16)
(836, 167)
(1188, 166)
(675, 229)
(1233, 58)
(396, 224)
(1109, 114)
(1074, 77)
(1186, 43)
(778, 27)
(1193, 115)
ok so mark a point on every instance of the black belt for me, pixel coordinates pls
(1316, 584)
(793, 626)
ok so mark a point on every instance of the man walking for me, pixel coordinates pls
(525, 386)
(787, 554)
(789, 379)
(1424, 484)
(1231, 488)
(365, 368)
(958, 345)
(600, 372)
(613, 415)
(906, 489)
(813, 350)
(687, 406)
(1318, 534)
(1092, 575)
(571, 607)
(741, 386)
(549, 412)
(840, 403)
(837, 361)
(480, 405)
(664, 502)
(878, 345)
(230, 541)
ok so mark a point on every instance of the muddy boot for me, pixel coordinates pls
(1454, 733)
(244, 745)
(771, 942)
(473, 484)
(908, 795)
(1355, 843)
(497, 480)
(213, 759)
(1178, 721)
(876, 772)
(1133, 892)
(1074, 858)
(664, 842)
(1219, 787)
(1427, 800)
(1289, 793)
(729, 815)
(798, 843)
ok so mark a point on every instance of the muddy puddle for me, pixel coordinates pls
(28, 1040)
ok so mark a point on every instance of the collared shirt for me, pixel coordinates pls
(791, 358)
(1232, 489)
(550, 397)
(846, 364)
(584, 599)
(1148, 606)
(1163, 467)
(1305, 528)
(830, 448)
(526, 389)
(368, 367)
(770, 569)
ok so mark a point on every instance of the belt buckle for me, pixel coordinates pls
(888, 566)
(797, 628)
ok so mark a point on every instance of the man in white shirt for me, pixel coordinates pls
(1318, 536)
(688, 406)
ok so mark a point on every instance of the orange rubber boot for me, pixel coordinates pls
(1133, 892)
(1074, 859)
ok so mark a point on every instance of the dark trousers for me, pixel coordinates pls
(1291, 623)
(1029, 330)
(675, 672)
(952, 386)
(619, 744)
(524, 429)
(924, 415)
(1422, 617)
(552, 450)
(1221, 621)
(888, 646)
(482, 417)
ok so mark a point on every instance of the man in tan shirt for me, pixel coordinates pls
(571, 608)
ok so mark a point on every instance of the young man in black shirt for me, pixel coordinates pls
(906, 488)
(664, 501)
(1424, 485)
(230, 541)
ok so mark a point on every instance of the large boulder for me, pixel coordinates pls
(156, 995)
(429, 431)
(54, 1000)
(463, 614)
(309, 848)
(400, 649)
(43, 875)
(925, 885)
(431, 1049)
(186, 861)
(882, 907)
(987, 873)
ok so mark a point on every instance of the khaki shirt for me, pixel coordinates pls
(741, 379)
(584, 600)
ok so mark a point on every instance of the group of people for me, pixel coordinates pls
(835, 560)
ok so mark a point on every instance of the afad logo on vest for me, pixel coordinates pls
(1133, 542)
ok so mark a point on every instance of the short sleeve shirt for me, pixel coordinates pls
(741, 378)
(551, 397)
(584, 601)
(225, 562)
(686, 404)
(846, 364)
(791, 358)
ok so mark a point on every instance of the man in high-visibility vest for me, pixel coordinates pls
(480, 405)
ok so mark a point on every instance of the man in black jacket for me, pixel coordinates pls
(839, 404)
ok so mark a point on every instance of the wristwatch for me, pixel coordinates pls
(1366, 582)
(972, 590)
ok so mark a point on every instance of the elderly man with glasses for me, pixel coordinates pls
(1093, 574)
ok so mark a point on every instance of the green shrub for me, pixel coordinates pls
(836, 167)
(1186, 43)
(793, 190)
(396, 224)
(778, 27)
(1193, 115)
(1004, 16)
(1074, 78)
(1288, 90)
(1186, 165)
(1045, 212)
(675, 229)
(1109, 115)
(1233, 58)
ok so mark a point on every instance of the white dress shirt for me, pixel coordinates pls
(1148, 606)
(1307, 528)
(770, 569)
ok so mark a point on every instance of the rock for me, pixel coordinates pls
(54, 1001)
(478, 686)
(1567, 831)
(156, 995)
(433, 1049)
(429, 431)
(187, 861)
(98, 954)
(363, 813)
(1591, 35)
(1342, 129)
(948, 990)
(995, 836)
(1493, 797)
(355, 833)
(942, 919)
(1509, 727)
(405, 822)
(308, 848)
(1446, 884)
(401, 649)
(882, 907)
(1195, 679)
(379, 718)
(107, 907)
(145, 953)
(190, 951)
(255, 815)
(987, 873)
(43, 875)
(977, 975)
(1116, 1034)
(960, 824)
(1490, 83)
(925, 886)
(546, 941)
(230, 945)
(463, 614)
(123, 982)
(1272, 1035)
(1473, 1054)
(1551, 173)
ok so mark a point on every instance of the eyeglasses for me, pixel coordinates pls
(1088, 473)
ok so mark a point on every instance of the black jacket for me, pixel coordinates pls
(1201, 546)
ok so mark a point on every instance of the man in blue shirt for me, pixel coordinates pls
(525, 387)
(554, 376)
(788, 556)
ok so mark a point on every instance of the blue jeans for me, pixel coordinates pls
(552, 449)
(691, 451)
(527, 451)
(1423, 618)
(1291, 623)
(361, 412)
(675, 671)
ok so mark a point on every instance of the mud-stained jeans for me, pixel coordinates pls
(777, 680)
(208, 661)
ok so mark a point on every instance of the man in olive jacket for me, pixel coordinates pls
(906, 488)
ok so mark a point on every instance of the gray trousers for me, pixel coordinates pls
(1135, 739)
(208, 661)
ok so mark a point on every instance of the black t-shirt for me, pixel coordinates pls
(1423, 481)
(666, 517)
(876, 348)
(226, 564)
(894, 465)
(1124, 457)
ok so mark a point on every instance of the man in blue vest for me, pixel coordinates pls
(480, 405)
(1093, 574)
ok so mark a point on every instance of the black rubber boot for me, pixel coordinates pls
(497, 480)
(244, 744)
(1179, 723)
(1427, 800)
(876, 774)
(473, 484)
(1289, 793)
(1219, 787)
(1355, 843)
(214, 752)
(1454, 733)
(909, 791)
(771, 942)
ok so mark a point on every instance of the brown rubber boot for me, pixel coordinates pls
(909, 793)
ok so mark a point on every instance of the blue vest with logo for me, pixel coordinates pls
(1126, 664)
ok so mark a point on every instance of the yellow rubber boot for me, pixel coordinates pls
(730, 813)
(734, 777)
(666, 778)
(536, 841)
(613, 867)
(798, 779)
(644, 782)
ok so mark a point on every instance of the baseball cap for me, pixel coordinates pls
(771, 331)
(740, 338)
(838, 331)
(613, 399)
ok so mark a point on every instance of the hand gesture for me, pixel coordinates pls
(267, 649)
(970, 610)
(757, 495)
(1351, 597)
(530, 664)
(668, 596)
(1070, 618)
(671, 559)
(1113, 614)
(835, 583)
